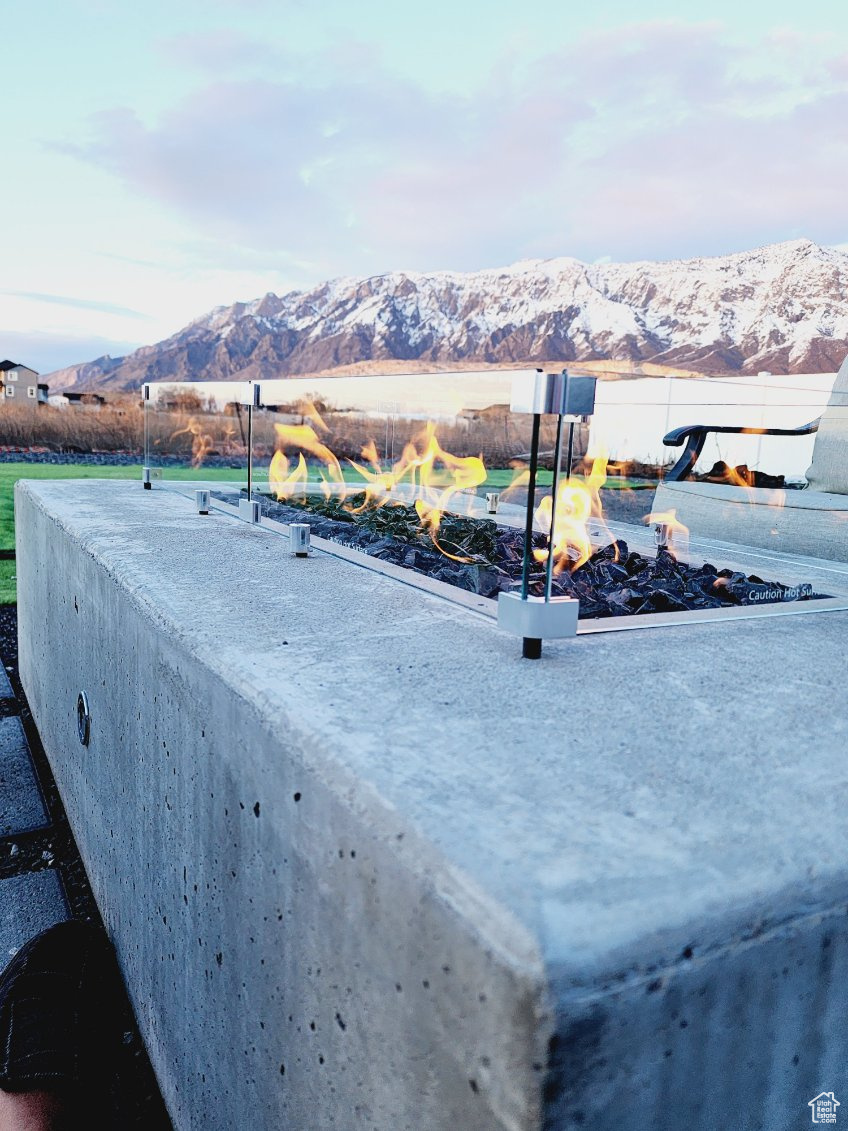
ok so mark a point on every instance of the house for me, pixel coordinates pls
(85, 400)
(21, 383)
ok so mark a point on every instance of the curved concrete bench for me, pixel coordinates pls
(813, 522)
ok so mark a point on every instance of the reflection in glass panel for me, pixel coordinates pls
(407, 468)
(429, 473)
(197, 432)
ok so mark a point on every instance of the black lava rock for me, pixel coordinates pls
(614, 582)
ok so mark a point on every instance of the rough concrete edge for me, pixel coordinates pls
(580, 994)
(688, 970)
(497, 928)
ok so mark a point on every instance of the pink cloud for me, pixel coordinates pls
(653, 140)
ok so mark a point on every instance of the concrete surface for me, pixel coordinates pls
(28, 904)
(31, 896)
(21, 804)
(365, 867)
(6, 691)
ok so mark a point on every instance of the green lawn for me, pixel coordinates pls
(9, 474)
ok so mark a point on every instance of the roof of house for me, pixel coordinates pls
(5, 365)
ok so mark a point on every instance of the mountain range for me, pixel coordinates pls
(782, 308)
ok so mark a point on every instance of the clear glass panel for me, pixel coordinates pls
(428, 473)
(765, 401)
(747, 528)
(196, 434)
(425, 471)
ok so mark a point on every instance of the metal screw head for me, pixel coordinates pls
(83, 719)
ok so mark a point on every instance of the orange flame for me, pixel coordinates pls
(432, 475)
(303, 436)
(369, 452)
(520, 479)
(283, 482)
(673, 526)
(308, 409)
(467, 472)
(379, 483)
(578, 500)
(201, 442)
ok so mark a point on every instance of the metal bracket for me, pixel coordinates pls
(201, 498)
(249, 510)
(251, 395)
(556, 394)
(299, 533)
(535, 619)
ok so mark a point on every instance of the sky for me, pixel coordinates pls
(166, 158)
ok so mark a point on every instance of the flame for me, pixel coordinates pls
(307, 409)
(304, 437)
(369, 452)
(673, 524)
(578, 501)
(432, 475)
(201, 442)
(520, 479)
(733, 476)
(379, 483)
(283, 482)
(467, 472)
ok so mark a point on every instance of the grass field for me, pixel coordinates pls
(10, 473)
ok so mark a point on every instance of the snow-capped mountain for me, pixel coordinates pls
(783, 308)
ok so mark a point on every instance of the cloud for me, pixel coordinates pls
(659, 139)
(80, 304)
(220, 50)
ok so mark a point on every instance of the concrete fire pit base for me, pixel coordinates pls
(365, 867)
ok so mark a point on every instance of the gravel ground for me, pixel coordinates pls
(29, 455)
(108, 459)
(137, 1101)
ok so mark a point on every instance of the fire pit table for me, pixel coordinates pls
(365, 866)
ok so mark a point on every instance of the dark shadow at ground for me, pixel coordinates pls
(136, 1099)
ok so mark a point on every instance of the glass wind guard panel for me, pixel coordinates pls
(196, 434)
(751, 534)
(425, 477)
(423, 472)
